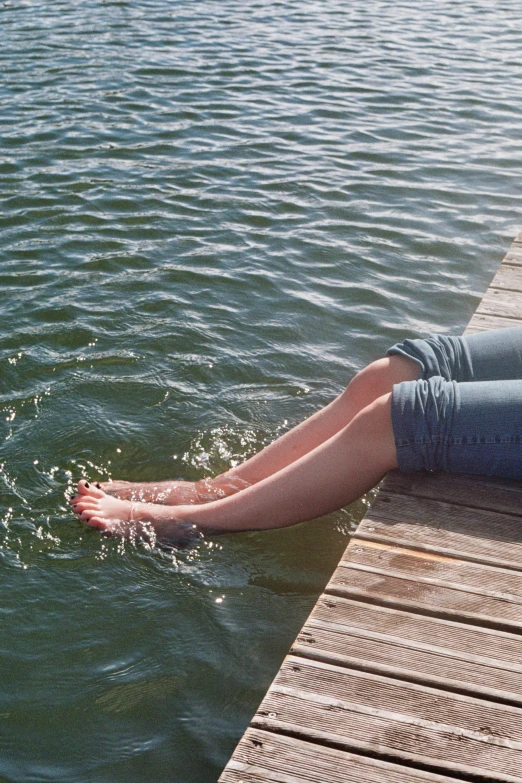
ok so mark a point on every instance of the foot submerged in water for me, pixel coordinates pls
(130, 519)
(175, 493)
(170, 493)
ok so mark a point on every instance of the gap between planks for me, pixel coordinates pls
(407, 643)
(438, 527)
(430, 584)
(482, 492)
(268, 756)
(363, 712)
(450, 704)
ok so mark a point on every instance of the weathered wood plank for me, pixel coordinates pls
(413, 622)
(486, 582)
(394, 719)
(413, 647)
(458, 640)
(443, 528)
(508, 277)
(507, 304)
(394, 659)
(481, 323)
(491, 493)
(415, 595)
(514, 254)
(443, 587)
(275, 758)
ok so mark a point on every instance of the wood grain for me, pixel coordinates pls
(394, 719)
(491, 493)
(507, 304)
(266, 756)
(508, 277)
(401, 661)
(484, 646)
(477, 580)
(444, 528)
(416, 595)
(514, 254)
(480, 323)
(412, 658)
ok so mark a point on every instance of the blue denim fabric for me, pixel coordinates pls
(464, 414)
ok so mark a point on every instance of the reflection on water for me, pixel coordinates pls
(213, 215)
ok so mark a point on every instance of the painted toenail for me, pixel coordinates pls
(87, 484)
(98, 485)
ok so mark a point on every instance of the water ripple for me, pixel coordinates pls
(212, 216)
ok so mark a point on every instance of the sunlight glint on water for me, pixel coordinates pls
(213, 215)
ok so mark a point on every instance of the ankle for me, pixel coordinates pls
(211, 489)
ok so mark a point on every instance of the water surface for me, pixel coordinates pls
(213, 214)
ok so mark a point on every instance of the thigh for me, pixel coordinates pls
(459, 427)
(485, 356)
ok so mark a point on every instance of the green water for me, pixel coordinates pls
(212, 215)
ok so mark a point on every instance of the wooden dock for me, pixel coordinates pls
(409, 668)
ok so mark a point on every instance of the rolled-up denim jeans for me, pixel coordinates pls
(464, 414)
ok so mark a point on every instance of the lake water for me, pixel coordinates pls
(213, 214)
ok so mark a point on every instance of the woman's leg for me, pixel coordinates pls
(372, 382)
(425, 424)
(331, 475)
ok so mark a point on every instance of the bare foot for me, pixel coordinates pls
(126, 518)
(169, 493)
(175, 493)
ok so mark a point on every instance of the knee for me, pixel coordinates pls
(367, 384)
(379, 378)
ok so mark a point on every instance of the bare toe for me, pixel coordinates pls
(86, 504)
(98, 523)
(88, 488)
